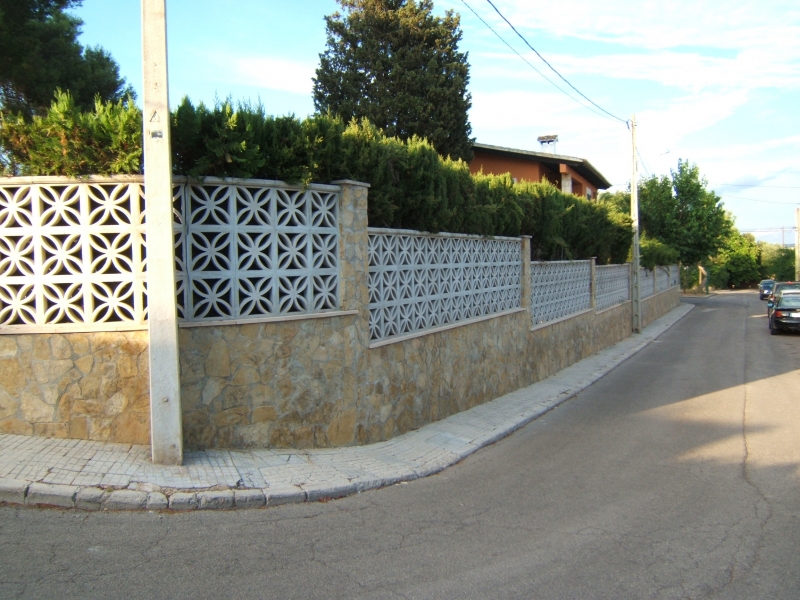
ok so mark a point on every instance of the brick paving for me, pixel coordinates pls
(60, 472)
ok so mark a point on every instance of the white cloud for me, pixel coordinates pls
(266, 72)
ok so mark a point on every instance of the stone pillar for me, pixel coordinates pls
(566, 179)
(526, 273)
(166, 435)
(354, 294)
(593, 284)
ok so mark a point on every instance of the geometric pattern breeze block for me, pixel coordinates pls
(419, 281)
(662, 279)
(646, 283)
(559, 289)
(613, 285)
(252, 251)
(72, 254)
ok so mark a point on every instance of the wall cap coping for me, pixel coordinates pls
(440, 328)
(605, 310)
(273, 319)
(352, 182)
(560, 319)
(71, 328)
(465, 236)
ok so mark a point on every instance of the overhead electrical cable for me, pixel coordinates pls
(531, 65)
(552, 68)
(790, 203)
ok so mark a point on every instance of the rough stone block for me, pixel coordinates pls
(157, 501)
(284, 495)
(249, 498)
(12, 491)
(49, 494)
(90, 498)
(329, 490)
(183, 501)
(126, 500)
(215, 500)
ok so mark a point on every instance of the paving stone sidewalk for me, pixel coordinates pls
(94, 475)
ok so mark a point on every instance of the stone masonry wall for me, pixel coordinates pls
(91, 386)
(659, 305)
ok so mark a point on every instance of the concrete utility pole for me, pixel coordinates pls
(635, 291)
(797, 244)
(166, 435)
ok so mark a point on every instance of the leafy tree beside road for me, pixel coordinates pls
(40, 52)
(396, 64)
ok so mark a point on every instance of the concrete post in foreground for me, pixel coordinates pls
(593, 284)
(166, 435)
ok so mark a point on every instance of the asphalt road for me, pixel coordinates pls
(675, 476)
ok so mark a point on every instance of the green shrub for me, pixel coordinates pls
(67, 141)
(411, 186)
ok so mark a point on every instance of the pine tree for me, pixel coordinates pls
(396, 64)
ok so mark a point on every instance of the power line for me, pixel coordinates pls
(780, 187)
(642, 161)
(552, 68)
(527, 62)
(756, 200)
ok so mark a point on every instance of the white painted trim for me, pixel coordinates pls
(600, 312)
(660, 293)
(278, 319)
(461, 236)
(70, 328)
(424, 332)
(560, 319)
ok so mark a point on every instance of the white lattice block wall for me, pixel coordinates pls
(662, 279)
(674, 276)
(420, 281)
(560, 289)
(646, 283)
(251, 251)
(613, 285)
(71, 255)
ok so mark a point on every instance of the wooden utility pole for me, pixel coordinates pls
(166, 435)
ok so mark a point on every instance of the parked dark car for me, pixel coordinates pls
(765, 288)
(785, 313)
(776, 289)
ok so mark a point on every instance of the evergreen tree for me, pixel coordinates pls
(396, 64)
(39, 53)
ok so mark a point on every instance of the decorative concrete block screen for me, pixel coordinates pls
(72, 256)
(674, 276)
(255, 250)
(560, 289)
(662, 279)
(418, 281)
(646, 283)
(613, 285)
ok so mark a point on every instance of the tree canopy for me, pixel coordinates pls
(40, 52)
(678, 210)
(395, 63)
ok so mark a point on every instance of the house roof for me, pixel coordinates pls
(580, 165)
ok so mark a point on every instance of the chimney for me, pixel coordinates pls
(546, 141)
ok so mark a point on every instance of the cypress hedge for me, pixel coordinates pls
(412, 187)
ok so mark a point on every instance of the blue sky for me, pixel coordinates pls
(712, 82)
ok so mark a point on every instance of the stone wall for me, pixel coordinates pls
(91, 386)
(659, 304)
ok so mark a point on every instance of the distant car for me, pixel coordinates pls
(765, 288)
(785, 313)
(777, 288)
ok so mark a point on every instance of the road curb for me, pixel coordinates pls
(151, 497)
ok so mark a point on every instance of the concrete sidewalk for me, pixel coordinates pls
(93, 475)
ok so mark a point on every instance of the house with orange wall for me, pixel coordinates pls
(572, 175)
